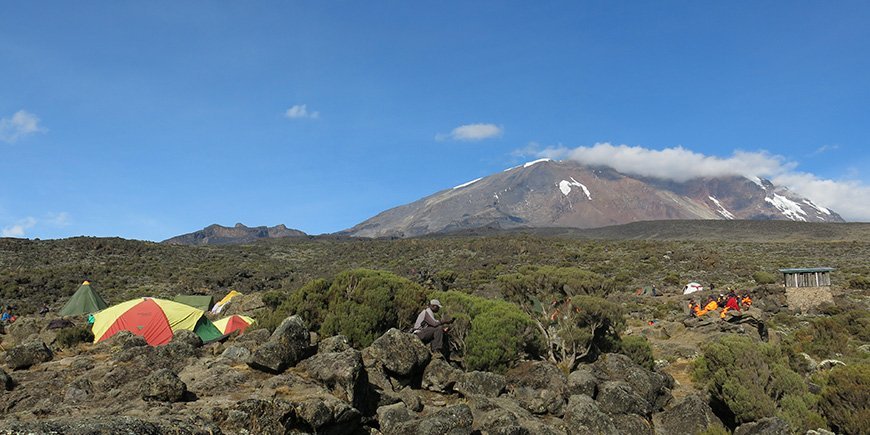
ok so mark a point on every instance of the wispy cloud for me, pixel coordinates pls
(824, 149)
(21, 124)
(850, 198)
(472, 132)
(300, 111)
(22, 227)
(19, 228)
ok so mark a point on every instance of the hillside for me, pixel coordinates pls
(567, 194)
(239, 234)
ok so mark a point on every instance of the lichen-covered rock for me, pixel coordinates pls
(584, 417)
(105, 424)
(503, 415)
(341, 372)
(336, 343)
(163, 386)
(617, 397)
(582, 381)
(453, 420)
(539, 387)
(481, 383)
(765, 426)
(391, 416)
(286, 347)
(188, 337)
(691, 415)
(439, 376)
(401, 354)
(126, 340)
(652, 386)
(28, 354)
(236, 353)
(632, 424)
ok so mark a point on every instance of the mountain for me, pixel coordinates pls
(239, 234)
(566, 194)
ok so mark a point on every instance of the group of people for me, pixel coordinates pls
(728, 302)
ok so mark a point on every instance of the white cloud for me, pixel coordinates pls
(472, 132)
(849, 198)
(300, 111)
(21, 124)
(18, 229)
(61, 219)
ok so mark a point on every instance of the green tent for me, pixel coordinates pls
(206, 330)
(84, 301)
(196, 301)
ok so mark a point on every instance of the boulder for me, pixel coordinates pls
(212, 378)
(163, 386)
(187, 337)
(28, 354)
(618, 397)
(126, 340)
(691, 415)
(256, 336)
(439, 376)
(337, 343)
(268, 416)
(401, 354)
(652, 386)
(582, 381)
(765, 426)
(341, 372)
(6, 381)
(584, 417)
(503, 415)
(539, 387)
(392, 416)
(481, 383)
(286, 347)
(106, 424)
(453, 420)
(236, 353)
(632, 424)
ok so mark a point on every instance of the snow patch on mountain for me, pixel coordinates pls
(758, 181)
(565, 187)
(789, 208)
(468, 183)
(534, 162)
(817, 207)
(722, 210)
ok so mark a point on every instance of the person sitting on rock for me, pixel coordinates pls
(711, 306)
(432, 331)
(730, 305)
(746, 301)
(694, 308)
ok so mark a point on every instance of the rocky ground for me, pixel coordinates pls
(261, 383)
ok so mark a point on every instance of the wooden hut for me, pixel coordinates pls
(807, 288)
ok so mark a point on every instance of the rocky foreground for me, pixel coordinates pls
(261, 383)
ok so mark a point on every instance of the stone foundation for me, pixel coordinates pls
(803, 298)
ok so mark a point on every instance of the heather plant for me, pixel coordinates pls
(845, 399)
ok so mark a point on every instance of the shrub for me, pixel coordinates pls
(361, 304)
(859, 282)
(845, 399)
(638, 349)
(492, 334)
(754, 381)
(70, 337)
(761, 277)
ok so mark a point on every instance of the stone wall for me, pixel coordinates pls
(803, 298)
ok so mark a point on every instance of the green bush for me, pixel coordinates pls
(361, 304)
(754, 381)
(638, 349)
(70, 337)
(859, 282)
(493, 334)
(845, 399)
(761, 277)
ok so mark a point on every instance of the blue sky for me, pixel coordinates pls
(150, 119)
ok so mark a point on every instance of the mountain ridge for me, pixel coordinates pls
(239, 234)
(566, 194)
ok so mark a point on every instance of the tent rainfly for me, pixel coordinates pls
(84, 301)
(692, 287)
(156, 320)
(201, 302)
(233, 323)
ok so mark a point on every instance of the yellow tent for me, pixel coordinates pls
(154, 319)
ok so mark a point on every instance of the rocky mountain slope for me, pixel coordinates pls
(567, 194)
(239, 234)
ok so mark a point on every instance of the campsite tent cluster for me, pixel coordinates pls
(156, 320)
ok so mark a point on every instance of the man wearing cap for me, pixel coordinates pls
(429, 330)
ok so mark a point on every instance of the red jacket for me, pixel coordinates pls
(732, 304)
